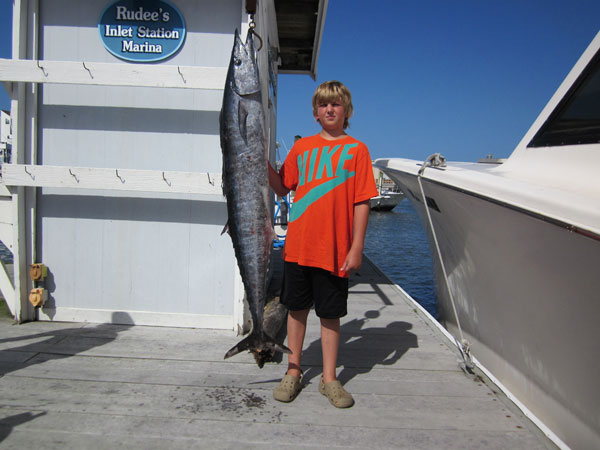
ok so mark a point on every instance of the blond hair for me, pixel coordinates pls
(330, 91)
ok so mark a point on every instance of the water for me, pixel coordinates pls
(397, 243)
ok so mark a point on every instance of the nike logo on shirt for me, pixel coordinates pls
(324, 155)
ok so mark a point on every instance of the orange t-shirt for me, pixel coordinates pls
(329, 177)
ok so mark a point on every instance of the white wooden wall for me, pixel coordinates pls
(116, 186)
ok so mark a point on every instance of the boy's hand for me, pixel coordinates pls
(353, 261)
(275, 182)
(361, 218)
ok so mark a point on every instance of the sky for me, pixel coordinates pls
(465, 78)
(5, 44)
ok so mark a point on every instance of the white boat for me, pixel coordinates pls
(389, 194)
(386, 200)
(519, 243)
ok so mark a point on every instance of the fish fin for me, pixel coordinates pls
(256, 344)
(242, 120)
(281, 348)
(225, 229)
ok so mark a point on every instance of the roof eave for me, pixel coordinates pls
(318, 37)
(300, 25)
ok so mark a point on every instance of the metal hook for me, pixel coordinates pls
(211, 182)
(89, 71)
(118, 176)
(180, 74)
(74, 176)
(252, 26)
(166, 181)
(42, 69)
(28, 172)
(259, 40)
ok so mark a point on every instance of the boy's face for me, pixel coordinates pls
(331, 115)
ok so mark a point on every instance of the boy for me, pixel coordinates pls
(332, 175)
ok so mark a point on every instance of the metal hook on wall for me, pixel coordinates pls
(28, 172)
(211, 182)
(74, 176)
(118, 176)
(165, 180)
(180, 74)
(89, 71)
(42, 68)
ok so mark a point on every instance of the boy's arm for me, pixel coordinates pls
(361, 219)
(276, 183)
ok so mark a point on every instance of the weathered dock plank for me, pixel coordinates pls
(185, 373)
(74, 431)
(253, 404)
(89, 386)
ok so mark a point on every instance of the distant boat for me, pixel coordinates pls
(389, 193)
(386, 200)
(520, 247)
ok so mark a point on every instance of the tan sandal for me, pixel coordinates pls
(337, 395)
(289, 387)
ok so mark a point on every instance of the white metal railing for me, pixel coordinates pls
(115, 179)
(112, 74)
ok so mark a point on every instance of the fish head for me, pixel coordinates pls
(243, 69)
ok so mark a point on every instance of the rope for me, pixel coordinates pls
(437, 160)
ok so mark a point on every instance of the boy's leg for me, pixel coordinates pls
(331, 303)
(329, 385)
(330, 340)
(296, 329)
(291, 383)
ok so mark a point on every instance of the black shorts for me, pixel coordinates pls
(304, 286)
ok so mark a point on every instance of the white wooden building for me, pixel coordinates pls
(115, 181)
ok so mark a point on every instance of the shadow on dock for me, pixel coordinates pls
(42, 347)
(362, 347)
(7, 424)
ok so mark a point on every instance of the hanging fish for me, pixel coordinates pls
(246, 187)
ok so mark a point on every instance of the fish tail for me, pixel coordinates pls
(274, 345)
(256, 344)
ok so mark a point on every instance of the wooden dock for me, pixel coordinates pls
(89, 386)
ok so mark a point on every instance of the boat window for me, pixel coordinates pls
(576, 119)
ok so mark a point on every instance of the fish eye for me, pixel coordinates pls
(237, 61)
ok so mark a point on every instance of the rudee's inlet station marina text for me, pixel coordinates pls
(142, 32)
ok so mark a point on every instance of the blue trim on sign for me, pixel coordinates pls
(142, 30)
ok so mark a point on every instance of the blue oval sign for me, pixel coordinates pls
(142, 30)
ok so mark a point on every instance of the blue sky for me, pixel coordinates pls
(5, 44)
(464, 78)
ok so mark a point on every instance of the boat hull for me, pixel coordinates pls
(528, 300)
(386, 201)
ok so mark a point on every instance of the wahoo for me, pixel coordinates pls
(246, 187)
